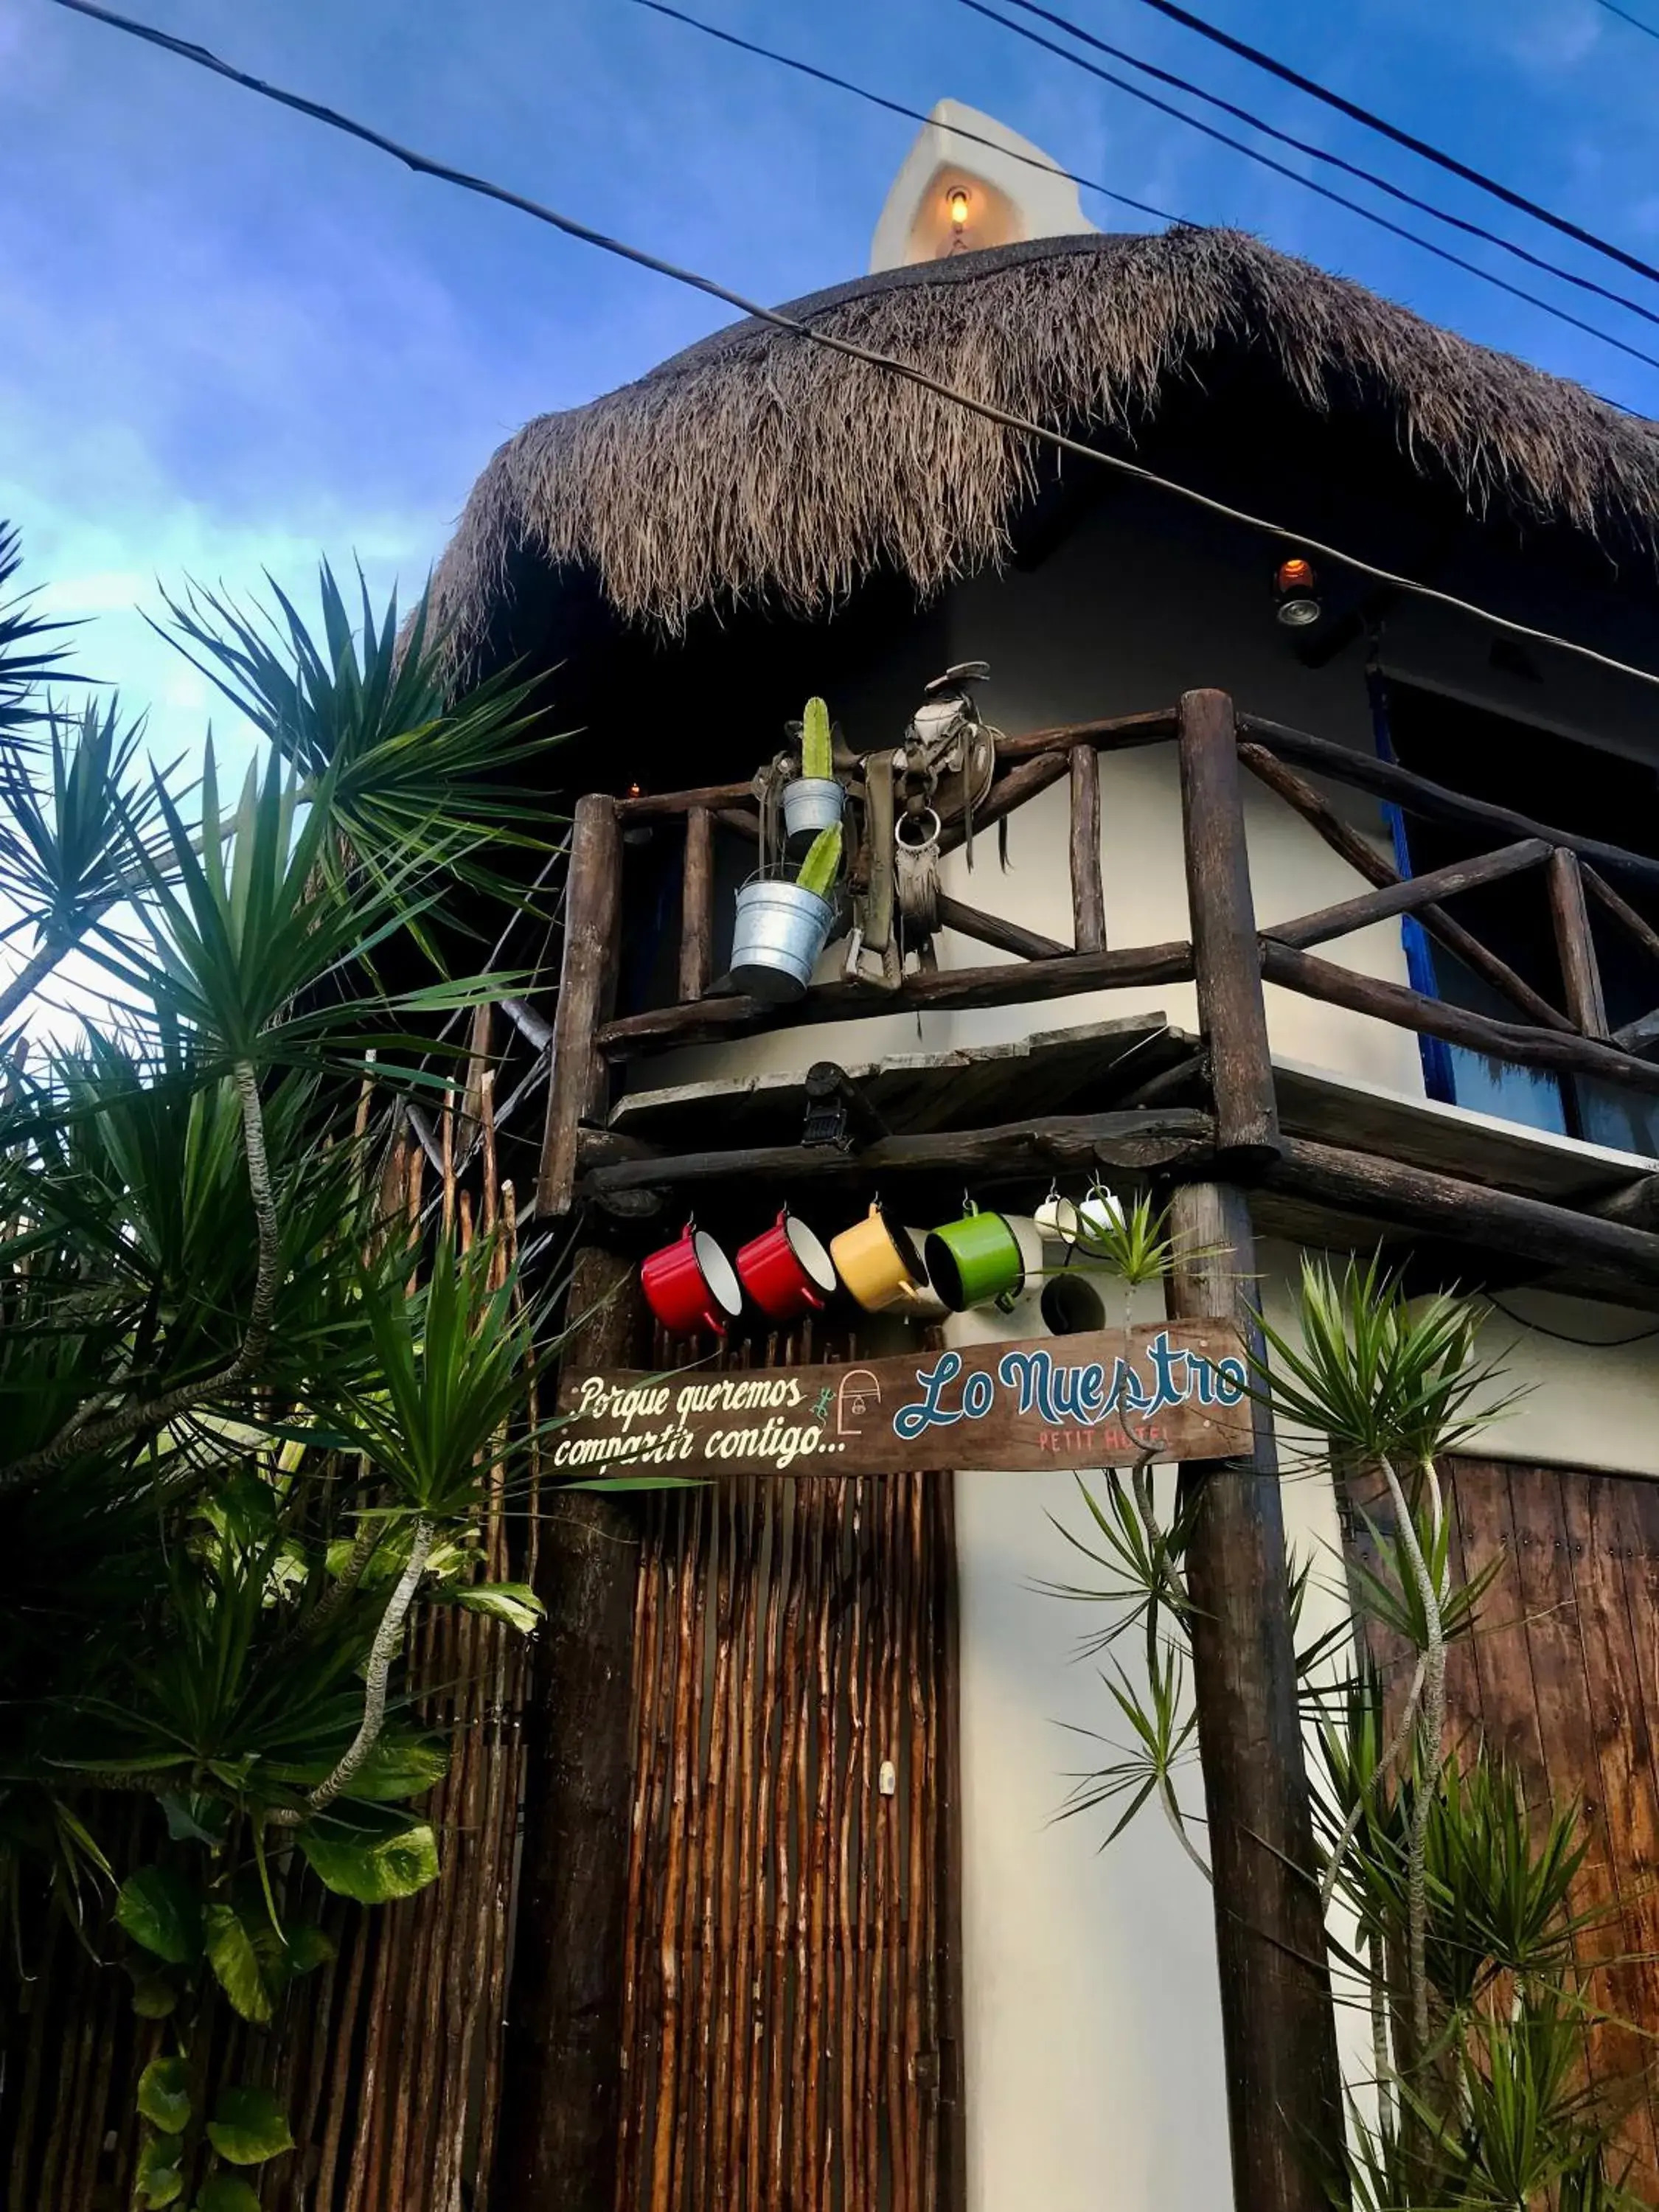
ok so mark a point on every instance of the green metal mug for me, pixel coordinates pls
(975, 1261)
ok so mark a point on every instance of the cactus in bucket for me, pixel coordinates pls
(818, 757)
(823, 863)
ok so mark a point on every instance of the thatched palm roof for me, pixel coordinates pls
(756, 467)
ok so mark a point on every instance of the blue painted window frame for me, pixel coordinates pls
(1437, 1078)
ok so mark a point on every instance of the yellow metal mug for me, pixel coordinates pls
(879, 1264)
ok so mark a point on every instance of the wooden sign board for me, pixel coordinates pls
(1070, 1402)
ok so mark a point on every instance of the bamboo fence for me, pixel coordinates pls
(789, 2036)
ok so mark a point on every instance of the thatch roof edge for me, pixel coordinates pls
(753, 466)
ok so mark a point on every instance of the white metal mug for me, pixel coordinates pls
(1057, 1219)
(1100, 1213)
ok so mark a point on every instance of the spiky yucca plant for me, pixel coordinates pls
(248, 1418)
(1460, 1905)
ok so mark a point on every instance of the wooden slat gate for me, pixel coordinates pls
(790, 2037)
(1562, 1676)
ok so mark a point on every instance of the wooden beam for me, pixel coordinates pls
(1194, 1068)
(1636, 1205)
(1226, 963)
(602, 1148)
(992, 929)
(1009, 791)
(697, 905)
(1412, 1010)
(1420, 1201)
(1088, 899)
(1637, 1035)
(578, 1090)
(1410, 895)
(528, 1022)
(1278, 2023)
(1364, 858)
(653, 805)
(479, 1060)
(1062, 977)
(1116, 732)
(1581, 971)
(561, 2078)
(1642, 930)
(1160, 1137)
(1109, 734)
(1433, 801)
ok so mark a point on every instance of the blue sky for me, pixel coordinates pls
(232, 340)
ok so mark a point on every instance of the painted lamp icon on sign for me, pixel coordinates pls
(859, 1396)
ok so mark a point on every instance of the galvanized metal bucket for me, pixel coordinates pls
(811, 803)
(780, 931)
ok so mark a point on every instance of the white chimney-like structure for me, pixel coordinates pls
(969, 182)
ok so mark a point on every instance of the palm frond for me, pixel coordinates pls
(26, 660)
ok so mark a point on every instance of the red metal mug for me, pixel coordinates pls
(786, 1270)
(691, 1284)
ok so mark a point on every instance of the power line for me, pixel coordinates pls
(1625, 16)
(912, 114)
(1357, 114)
(1091, 184)
(1042, 163)
(424, 165)
(1470, 229)
(1561, 1336)
(1309, 184)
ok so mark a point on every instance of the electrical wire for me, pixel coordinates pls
(1625, 16)
(1091, 184)
(1391, 130)
(1309, 184)
(1007, 418)
(1562, 1336)
(1429, 208)
(911, 115)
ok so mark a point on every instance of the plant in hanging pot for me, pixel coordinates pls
(782, 926)
(813, 802)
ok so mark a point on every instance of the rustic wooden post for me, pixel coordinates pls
(561, 2062)
(579, 1085)
(1088, 902)
(1227, 964)
(1581, 971)
(1279, 2030)
(697, 905)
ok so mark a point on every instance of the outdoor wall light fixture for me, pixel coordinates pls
(1296, 590)
(957, 200)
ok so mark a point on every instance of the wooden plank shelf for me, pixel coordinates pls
(1058, 1070)
(1141, 1138)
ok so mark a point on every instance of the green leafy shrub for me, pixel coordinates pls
(1458, 1927)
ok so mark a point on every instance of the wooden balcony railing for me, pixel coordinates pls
(1228, 957)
